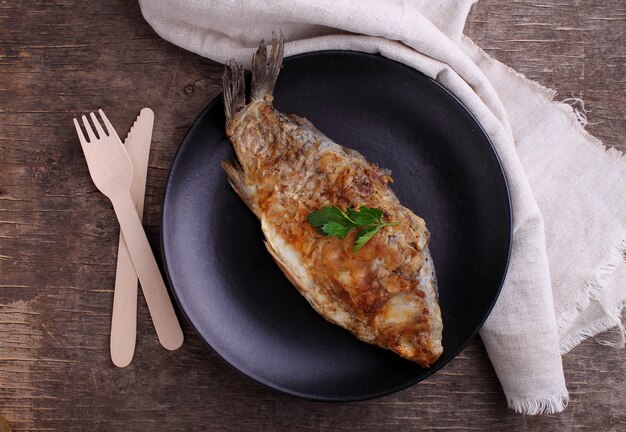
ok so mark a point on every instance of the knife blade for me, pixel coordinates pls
(124, 317)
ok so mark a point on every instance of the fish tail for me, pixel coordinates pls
(234, 90)
(265, 68)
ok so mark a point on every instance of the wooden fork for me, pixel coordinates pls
(112, 172)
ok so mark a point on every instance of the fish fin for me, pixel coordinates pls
(295, 280)
(234, 86)
(235, 178)
(265, 69)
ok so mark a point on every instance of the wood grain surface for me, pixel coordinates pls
(58, 234)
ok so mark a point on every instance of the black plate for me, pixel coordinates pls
(445, 169)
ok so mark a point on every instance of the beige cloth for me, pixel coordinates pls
(566, 279)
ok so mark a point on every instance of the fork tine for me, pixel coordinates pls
(90, 134)
(96, 123)
(79, 131)
(108, 124)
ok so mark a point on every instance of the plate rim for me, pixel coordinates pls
(429, 371)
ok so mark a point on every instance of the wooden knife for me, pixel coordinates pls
(124, 319)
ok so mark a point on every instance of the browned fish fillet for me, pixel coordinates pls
(385, 293)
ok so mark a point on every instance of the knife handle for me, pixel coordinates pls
(124, 318)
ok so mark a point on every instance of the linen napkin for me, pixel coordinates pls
(566, 279)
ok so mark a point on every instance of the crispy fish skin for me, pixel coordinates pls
(386, 292)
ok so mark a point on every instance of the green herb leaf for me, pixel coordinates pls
(321, 217)
(366, 216)
(333, 228)
(364, 236)
(332, 221)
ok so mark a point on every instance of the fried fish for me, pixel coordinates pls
(385, 293)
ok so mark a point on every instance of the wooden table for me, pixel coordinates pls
(58, 234)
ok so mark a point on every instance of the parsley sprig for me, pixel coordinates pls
(332, 221)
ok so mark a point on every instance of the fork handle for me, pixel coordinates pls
(159, 304)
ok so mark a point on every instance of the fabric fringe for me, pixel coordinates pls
(575, 114)
(539, 405)
(578, 105)
(592, 291)
(549, 94)
(610, 323)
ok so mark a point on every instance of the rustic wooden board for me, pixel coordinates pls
(58, 235)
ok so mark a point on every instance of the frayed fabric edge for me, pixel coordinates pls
(612, 321)
(591, 291)
(549, 94)
(538, 404)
